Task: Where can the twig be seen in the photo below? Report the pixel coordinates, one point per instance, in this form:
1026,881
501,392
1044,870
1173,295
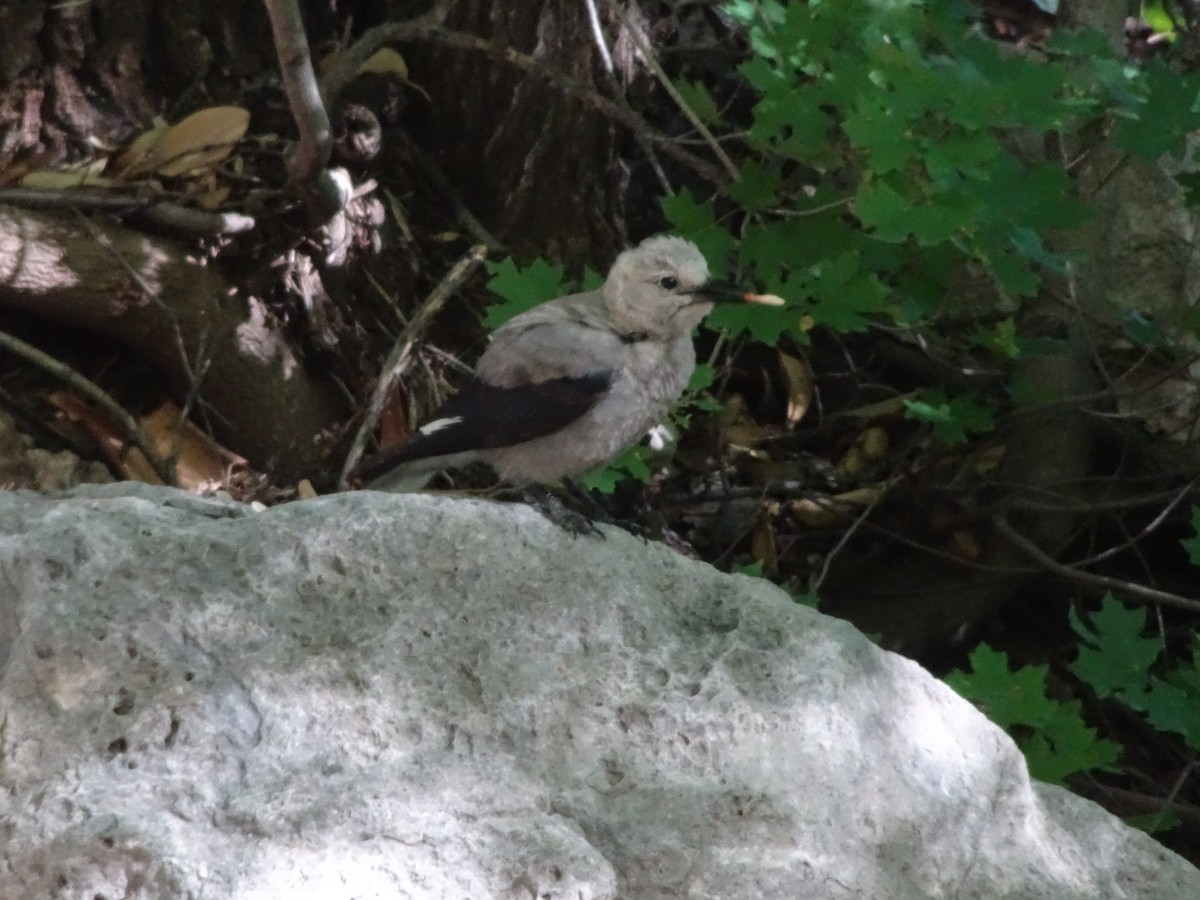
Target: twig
598,35
827,563
398,360
639,40
172,215
315,146
430,171
63,372
1125,588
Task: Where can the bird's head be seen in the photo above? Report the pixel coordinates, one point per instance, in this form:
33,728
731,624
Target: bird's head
661,288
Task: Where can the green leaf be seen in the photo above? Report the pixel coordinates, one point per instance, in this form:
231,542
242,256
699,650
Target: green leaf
1007,698
1012,273
1192,544
699,101
1064,745
1053,736
757,186
1168,116
630,463
843,295
1170,705
952,419
1000,338
1029,244
763,323
753,569
521,289
881,207
884,135
1114,658
702,378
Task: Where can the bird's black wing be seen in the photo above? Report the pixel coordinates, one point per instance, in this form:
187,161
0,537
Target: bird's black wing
483,416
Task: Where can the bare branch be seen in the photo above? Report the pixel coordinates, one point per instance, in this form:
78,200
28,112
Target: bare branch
398,360
1128,589
311,154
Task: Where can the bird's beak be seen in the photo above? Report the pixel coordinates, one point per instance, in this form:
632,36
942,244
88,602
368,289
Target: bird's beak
719,292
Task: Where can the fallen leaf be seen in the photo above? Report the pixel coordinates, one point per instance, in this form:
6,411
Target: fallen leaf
60,179
201,464
143,155
202,141
388,62
798,375
762,545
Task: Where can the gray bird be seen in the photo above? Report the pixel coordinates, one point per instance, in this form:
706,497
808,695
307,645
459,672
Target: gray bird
566,386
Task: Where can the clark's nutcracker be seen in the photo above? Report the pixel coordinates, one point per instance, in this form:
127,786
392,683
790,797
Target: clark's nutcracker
566,386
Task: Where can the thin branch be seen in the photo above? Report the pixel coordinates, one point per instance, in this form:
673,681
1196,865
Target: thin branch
430,171
827,563
172,215
1125,588
643,46
398,360
133,431
598,35
312,152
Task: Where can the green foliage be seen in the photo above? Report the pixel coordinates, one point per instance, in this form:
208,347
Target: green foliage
1051,733
953,419
1192,544
1117,661
1168,115
919,107
522,289
632,463
890,150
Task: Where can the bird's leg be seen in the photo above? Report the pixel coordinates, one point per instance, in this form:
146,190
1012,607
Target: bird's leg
584,499
552,507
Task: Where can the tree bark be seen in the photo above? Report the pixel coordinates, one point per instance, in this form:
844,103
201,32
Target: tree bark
183,317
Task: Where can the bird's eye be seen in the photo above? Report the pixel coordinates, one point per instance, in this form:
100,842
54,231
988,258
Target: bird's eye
668,282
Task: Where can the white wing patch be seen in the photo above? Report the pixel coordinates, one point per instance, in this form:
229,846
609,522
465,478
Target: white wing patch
438,425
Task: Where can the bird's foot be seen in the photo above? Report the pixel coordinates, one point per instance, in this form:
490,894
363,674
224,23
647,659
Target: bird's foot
569,520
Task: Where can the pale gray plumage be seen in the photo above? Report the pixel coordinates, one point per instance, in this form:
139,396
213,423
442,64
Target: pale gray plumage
566,386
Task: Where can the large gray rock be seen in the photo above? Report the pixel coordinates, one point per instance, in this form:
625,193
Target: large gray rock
401,696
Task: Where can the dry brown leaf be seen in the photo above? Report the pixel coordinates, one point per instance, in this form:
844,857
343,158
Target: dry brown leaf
852,462
762,545
214,198
143,155
964,545
388,62
987,459
874,443
838,508
889,407
109,438
202,141
201,464
305,490
738,427
800,386
61,179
